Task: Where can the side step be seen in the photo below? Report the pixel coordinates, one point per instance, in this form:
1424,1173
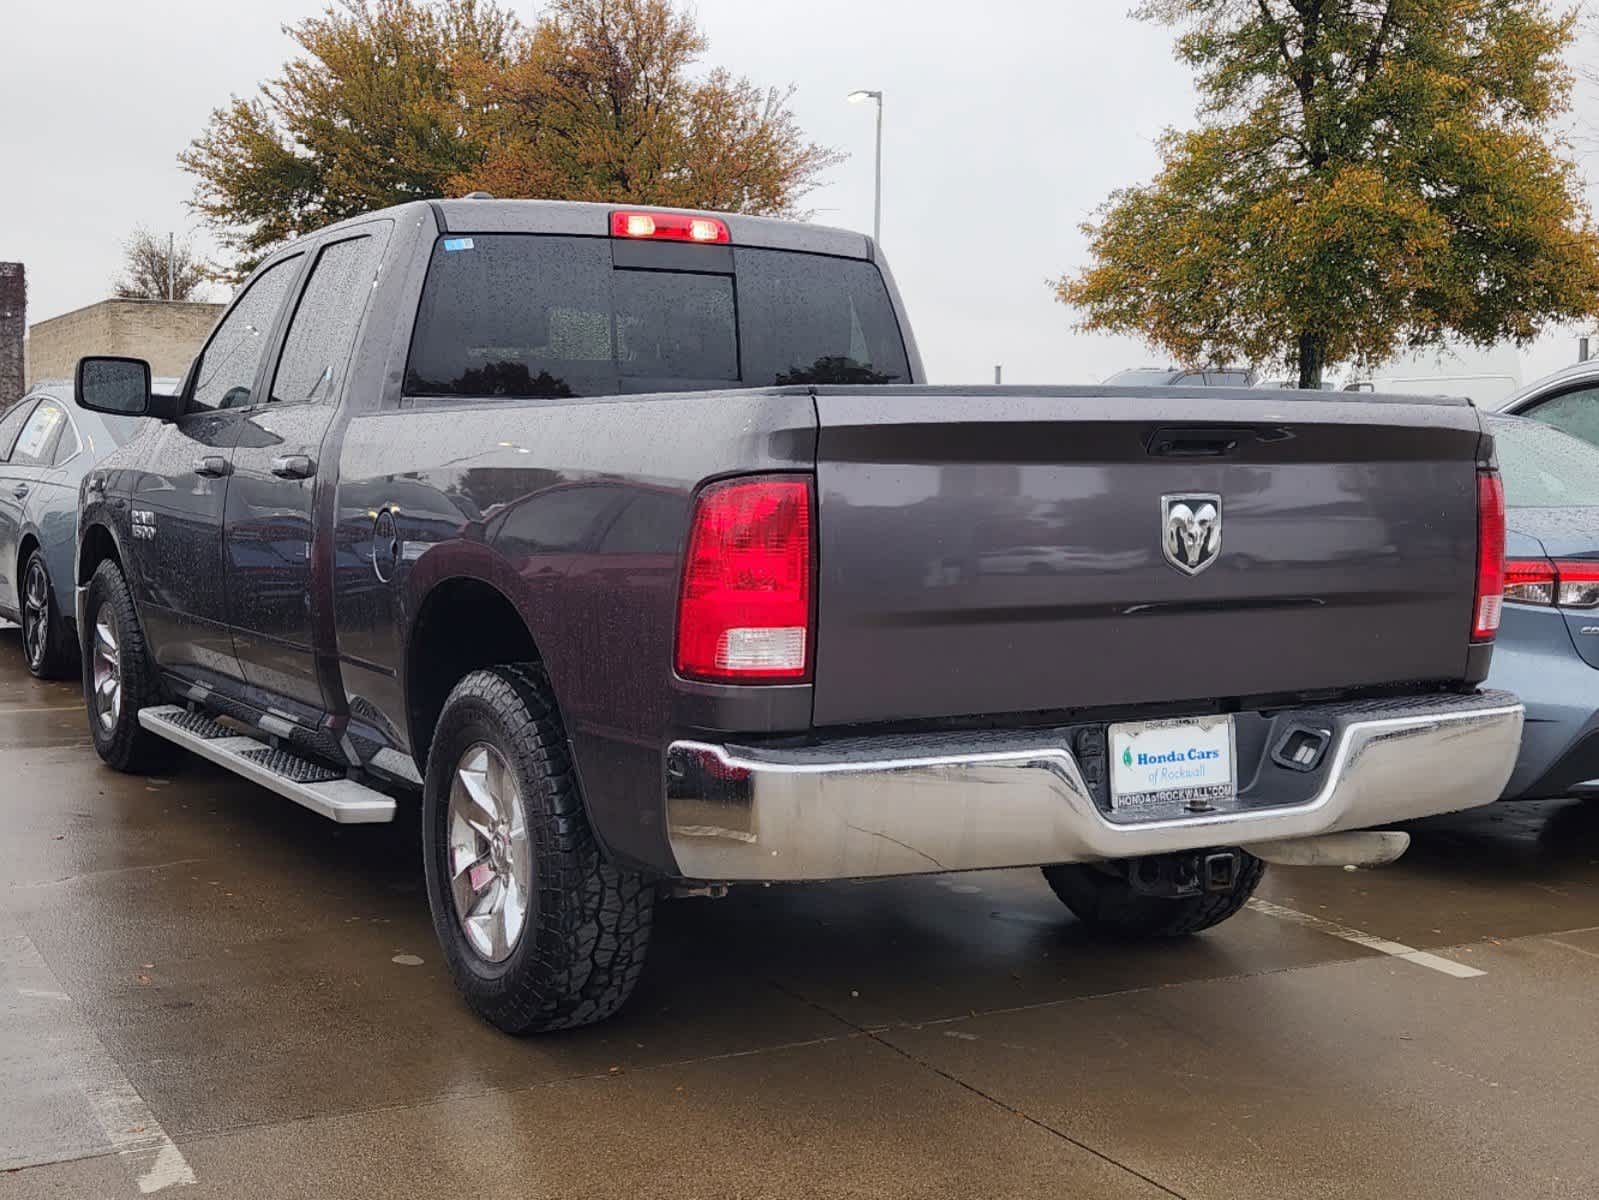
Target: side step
319,788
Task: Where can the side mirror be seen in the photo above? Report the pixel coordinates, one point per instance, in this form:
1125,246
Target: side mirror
113,385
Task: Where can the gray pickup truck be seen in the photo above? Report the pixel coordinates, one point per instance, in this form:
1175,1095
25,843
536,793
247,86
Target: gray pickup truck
633,543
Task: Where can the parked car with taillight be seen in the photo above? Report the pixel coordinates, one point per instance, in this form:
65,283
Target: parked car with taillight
1548,647
636,544
1567,400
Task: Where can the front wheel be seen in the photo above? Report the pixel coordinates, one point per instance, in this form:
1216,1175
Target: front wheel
119,678
44,640
539,931
1106,898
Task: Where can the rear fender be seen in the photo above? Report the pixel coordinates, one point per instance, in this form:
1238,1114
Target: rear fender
58,547
453,564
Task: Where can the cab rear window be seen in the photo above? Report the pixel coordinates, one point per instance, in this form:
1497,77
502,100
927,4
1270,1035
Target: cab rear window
524,315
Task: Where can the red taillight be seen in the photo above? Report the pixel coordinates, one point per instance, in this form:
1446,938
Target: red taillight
1490,596
670,227
1530,580
1564,583
1579,583
744,614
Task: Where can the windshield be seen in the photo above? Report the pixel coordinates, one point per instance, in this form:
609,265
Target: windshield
1544,468
524,315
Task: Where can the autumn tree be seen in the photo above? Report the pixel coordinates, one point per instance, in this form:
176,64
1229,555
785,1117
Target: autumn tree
600,103
156,269
1368,175
370,114
394,100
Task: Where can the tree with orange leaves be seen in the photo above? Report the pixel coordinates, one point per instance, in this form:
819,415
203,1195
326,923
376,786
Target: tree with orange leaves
599,103
395,100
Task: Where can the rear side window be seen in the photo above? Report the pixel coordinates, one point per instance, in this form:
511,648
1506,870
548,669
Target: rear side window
1576,413
321,335
36,444
528,315
1544,468
11,425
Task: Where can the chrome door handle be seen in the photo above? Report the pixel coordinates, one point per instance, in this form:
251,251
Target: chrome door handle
294,466
211,466
20,490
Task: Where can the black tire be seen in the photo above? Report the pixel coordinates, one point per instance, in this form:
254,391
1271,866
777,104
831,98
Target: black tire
587,925
1104,901
45,645
121,741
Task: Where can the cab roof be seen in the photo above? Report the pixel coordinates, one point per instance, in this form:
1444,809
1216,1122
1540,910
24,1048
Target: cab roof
594,220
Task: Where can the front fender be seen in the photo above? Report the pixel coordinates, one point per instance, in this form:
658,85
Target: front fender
99,518
102,534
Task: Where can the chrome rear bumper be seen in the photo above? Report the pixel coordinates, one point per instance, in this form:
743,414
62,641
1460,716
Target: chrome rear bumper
865,807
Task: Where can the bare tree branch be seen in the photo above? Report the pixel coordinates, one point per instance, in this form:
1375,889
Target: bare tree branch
149,273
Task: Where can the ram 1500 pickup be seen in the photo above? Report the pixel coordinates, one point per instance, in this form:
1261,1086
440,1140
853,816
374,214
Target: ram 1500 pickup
632,542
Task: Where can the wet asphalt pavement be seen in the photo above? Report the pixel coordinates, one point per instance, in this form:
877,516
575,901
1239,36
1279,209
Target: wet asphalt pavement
206,991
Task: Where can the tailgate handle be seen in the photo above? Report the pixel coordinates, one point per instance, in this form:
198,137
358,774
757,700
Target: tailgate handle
1192,441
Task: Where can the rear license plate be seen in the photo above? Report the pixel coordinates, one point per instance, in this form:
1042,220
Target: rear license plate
1183,764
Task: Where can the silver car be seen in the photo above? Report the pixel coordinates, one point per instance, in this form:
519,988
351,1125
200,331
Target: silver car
46,445
1548,646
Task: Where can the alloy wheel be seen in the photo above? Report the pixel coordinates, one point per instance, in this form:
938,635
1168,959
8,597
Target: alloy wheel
489,862
36,615
106,675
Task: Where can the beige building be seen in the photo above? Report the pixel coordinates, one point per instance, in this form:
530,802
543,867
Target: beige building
166,333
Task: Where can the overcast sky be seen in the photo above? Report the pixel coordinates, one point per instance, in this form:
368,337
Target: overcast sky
1006,123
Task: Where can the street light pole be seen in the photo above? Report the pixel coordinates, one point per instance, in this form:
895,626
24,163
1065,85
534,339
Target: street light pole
861,97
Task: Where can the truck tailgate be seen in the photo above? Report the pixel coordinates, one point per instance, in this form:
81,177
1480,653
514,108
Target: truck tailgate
1002,551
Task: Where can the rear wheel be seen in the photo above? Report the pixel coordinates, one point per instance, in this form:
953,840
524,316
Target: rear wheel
118,677
538,930
1112,898
44,640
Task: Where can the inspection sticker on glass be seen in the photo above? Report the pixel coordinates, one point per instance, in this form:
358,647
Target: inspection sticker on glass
1188,762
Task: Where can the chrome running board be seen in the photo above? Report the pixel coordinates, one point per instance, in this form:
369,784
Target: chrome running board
321,789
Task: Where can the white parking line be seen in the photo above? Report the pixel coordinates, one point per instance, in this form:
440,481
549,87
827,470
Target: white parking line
71,1053
41,994
136,1135
1433,962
